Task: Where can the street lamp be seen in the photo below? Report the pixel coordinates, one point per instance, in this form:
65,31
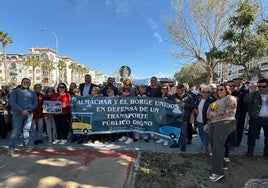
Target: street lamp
56,41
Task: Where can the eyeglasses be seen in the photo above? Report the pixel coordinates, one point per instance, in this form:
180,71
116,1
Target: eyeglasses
61,87
232,85
219,89
262,86
49,91
205,91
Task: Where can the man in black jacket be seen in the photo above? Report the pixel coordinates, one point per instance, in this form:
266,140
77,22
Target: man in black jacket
241,109
185,101
258,113
86,87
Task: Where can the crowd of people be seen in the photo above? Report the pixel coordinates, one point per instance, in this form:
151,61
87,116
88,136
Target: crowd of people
218,113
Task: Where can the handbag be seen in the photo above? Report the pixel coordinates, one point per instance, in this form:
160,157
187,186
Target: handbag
206,127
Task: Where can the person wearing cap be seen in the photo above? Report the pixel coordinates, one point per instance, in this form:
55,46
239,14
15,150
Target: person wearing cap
241,109
186,102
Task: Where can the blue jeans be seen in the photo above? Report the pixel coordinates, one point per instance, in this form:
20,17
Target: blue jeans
254,126
203,135
37,129
20,123
183,136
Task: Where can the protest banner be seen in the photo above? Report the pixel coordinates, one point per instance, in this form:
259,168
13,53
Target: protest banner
105,115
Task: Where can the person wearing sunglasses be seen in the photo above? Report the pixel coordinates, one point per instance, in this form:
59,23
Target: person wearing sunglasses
62,119
221,114
201,107
258,115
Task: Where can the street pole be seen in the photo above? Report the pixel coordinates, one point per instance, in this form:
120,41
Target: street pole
56,41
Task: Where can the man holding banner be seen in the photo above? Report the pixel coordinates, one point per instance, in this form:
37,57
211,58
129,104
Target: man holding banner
186,102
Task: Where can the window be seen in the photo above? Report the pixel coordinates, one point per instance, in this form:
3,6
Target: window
44,57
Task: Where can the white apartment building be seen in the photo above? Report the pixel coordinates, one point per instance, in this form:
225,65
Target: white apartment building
18,70
227,71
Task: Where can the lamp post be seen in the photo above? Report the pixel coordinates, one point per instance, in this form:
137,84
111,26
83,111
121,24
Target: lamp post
56,41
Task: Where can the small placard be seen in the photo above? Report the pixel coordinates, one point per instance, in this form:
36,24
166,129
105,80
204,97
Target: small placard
53,107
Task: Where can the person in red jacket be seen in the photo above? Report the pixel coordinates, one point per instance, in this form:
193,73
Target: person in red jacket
38,121
62,119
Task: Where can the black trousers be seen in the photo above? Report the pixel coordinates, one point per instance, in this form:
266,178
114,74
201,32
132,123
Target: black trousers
3,127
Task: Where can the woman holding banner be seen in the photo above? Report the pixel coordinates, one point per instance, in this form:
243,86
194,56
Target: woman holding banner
127,91
62,119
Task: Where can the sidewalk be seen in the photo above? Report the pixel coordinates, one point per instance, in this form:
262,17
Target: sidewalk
88,165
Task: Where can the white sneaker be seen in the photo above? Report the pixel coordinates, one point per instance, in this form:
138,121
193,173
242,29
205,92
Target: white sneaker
165,143
63,142
10,152
215,177
56,141
129,141
122,139
161,140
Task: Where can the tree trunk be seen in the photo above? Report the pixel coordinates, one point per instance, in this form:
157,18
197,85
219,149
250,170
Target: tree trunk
5,64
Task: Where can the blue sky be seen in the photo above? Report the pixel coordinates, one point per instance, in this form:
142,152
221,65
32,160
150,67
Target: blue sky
101,34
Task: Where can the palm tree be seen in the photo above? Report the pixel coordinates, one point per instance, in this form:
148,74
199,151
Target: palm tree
85,71
49,66
33,62
62,65
4,39
80,72
73,66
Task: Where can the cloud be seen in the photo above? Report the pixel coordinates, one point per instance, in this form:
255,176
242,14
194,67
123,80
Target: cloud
158,37
153,25
120,6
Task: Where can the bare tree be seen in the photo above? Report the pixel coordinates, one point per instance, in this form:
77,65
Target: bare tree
196,27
